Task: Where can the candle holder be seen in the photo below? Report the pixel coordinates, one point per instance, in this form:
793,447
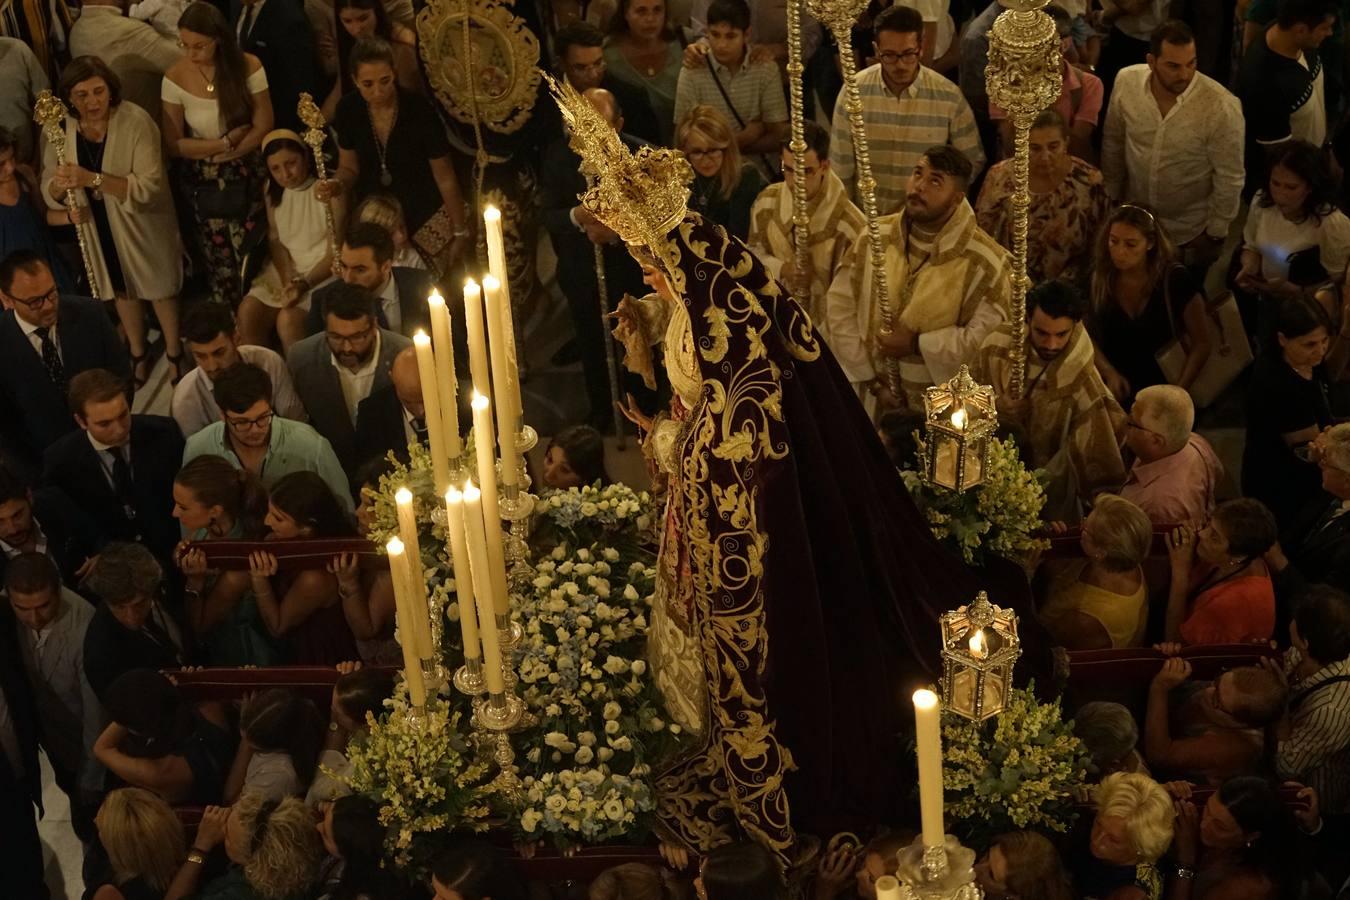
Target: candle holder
960,419
945,872
433,674
516,505
416,717
468,679
495,716
980,646
526,440
459,469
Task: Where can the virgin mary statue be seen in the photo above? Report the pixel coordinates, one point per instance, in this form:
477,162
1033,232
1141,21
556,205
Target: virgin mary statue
799,585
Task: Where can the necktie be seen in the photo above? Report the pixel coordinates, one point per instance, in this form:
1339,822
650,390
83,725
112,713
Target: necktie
246,26
122,485
419,427
51,358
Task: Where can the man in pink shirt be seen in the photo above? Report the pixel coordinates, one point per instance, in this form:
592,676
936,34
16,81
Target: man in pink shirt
1175,472
1080,101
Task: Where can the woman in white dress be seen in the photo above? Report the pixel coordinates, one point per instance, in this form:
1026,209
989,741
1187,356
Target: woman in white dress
298,237
216,111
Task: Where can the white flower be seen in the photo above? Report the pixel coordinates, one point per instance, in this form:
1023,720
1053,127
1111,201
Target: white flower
639,666
604,754
614,809
530,819
630,593
555,739
675,729
559,551
543,581
615,665
583,554
622,744
586,739
555,803
584,755
612,727
612,710
611,554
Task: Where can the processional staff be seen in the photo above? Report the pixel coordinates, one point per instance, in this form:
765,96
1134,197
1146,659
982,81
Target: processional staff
50,113
314,136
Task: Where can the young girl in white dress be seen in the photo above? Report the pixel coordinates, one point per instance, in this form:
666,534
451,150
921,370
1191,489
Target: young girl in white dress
298,238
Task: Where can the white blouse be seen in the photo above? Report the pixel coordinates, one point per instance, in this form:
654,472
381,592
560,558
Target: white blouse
202,115
302,226
1277,238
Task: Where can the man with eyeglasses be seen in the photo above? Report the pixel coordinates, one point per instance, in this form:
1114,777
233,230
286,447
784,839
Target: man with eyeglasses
907,108
334,371
1175,471
46,339
134,50
580,49
250,435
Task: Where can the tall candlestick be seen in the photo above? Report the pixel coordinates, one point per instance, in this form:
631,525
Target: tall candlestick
473,330
431,412
928,744
446,385
492,219
459,558
487,476
506,416
481,568
417,584
412,667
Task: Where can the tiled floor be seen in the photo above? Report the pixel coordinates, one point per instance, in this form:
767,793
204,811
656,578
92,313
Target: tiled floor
62,852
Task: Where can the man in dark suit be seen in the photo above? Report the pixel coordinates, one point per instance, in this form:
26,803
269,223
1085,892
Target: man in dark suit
392,417
334,371
121,466
575,233
279,34
45,340
1318,550
20,772
367,261
131,628
579,47
45,521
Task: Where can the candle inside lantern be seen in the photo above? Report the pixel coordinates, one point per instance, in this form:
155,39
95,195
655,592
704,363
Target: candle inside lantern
507,395
419,616
459,558
431,411
446,386
412,668
501,381
978,647
928,744
888,888
959,419
481,569
487,476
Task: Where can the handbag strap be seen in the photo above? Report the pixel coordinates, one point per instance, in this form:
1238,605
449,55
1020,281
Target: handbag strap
726,98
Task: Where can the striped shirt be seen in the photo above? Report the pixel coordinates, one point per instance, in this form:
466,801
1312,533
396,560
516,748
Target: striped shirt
929,112
1317,751
755,89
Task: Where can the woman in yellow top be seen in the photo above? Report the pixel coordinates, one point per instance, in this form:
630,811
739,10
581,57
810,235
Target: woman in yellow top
1102,602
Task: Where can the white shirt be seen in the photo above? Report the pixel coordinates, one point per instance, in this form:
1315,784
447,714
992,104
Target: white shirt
393,313
30,332
1276,239
194,407
356,385
39,546
1309,121
1185,166
105,460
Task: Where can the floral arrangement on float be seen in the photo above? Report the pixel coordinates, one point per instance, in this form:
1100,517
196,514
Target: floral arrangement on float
1023,768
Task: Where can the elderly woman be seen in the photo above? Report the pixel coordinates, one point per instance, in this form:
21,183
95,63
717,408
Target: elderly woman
1228,598
114,165
1132,830
1068,204
390,139
273,847
217,108
144,842
1023,865
1102,601
1111,735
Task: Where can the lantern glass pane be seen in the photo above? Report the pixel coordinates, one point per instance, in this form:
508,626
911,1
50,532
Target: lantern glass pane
973,473
944,460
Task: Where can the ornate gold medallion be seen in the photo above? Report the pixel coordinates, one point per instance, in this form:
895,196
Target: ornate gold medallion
487,72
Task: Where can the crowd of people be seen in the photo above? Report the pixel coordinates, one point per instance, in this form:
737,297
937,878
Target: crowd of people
1187,218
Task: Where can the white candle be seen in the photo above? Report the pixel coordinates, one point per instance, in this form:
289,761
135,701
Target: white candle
417,584
459,559
492,219
501,380
487,477
446,386
888,888
473,330
412,667
928,743
481,568
431,411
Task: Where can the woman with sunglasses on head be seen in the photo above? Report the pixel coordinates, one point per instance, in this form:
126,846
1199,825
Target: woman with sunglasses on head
1142,299
1287,408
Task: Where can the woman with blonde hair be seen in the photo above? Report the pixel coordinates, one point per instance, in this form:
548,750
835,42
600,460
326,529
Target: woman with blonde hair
1101,601
144,842
724,187
385,211
630,881
1133,829
1023,865
273,847
1143,298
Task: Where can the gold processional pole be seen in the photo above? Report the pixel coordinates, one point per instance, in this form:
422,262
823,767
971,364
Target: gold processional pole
839,16
50,113
611,367
314,136
801,222
1023,78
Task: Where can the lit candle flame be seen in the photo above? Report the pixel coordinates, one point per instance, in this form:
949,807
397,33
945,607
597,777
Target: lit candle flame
959,419
977,645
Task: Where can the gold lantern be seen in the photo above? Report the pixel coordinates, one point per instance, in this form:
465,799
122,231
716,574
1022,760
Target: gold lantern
980,646
960,420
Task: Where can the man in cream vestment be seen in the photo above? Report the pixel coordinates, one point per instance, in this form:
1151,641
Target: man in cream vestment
1073,424
948,282
835,224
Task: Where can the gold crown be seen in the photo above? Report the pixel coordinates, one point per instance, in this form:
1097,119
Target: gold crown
640,196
